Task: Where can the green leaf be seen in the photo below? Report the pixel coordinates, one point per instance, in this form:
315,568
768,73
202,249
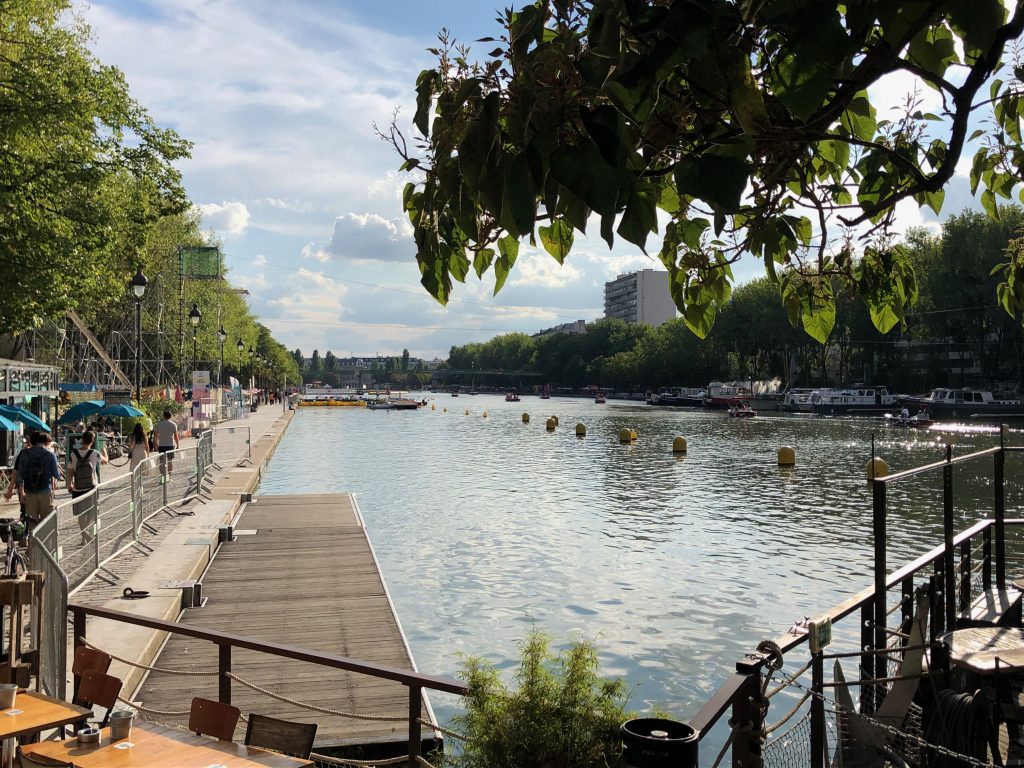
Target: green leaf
818,319
719,181
482,261
976,21
519,199
988,202
859,118
425,84
583,171
690,231
640,217
557,239
508,249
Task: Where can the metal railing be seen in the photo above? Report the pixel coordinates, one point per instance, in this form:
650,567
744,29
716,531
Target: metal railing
6,478
951,577
231,446
415,682
81,536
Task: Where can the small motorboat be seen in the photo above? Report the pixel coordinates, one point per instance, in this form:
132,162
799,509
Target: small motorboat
740,410
511,397
920,420
599,398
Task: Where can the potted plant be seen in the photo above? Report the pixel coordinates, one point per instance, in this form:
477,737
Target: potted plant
561,714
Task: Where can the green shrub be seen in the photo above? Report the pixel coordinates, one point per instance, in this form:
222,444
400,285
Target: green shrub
155,408
563,715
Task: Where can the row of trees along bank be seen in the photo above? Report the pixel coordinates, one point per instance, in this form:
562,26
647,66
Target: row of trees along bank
90,193
955,326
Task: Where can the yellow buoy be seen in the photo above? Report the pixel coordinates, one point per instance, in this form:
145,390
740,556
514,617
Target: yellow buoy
877,468
526,418
625,435
787,456
433,406
445,409
485,414
555,418
632,434
679,445
551,424
581,430
467,412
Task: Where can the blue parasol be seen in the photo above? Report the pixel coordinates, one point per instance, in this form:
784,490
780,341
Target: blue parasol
79,411
120,409
6,425
25,417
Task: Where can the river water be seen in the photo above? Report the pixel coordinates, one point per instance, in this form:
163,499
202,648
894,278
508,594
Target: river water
674,566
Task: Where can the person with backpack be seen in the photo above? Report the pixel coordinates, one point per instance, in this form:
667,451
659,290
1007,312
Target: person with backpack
37,474
83,473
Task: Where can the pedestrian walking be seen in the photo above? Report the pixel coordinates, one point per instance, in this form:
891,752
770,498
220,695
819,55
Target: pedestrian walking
83,477
167,439
36,476
137,446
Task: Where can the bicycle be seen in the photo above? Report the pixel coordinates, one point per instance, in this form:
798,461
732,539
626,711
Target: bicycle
11,532
118,452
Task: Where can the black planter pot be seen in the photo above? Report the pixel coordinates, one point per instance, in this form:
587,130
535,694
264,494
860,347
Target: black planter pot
651,742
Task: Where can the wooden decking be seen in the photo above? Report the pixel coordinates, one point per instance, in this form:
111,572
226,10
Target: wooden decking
306,577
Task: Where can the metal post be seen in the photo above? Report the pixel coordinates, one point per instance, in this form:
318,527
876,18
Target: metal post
78,619
1000,511
195,349
163,477
878,525
415,711
747,716
949,554
966,566
220,366
138,349
986,557
223,667
817,711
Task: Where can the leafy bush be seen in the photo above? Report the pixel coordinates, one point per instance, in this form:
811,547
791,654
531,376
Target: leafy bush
155,408
563,714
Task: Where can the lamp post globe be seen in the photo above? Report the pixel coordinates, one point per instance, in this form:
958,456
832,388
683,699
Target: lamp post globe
195,317
222,336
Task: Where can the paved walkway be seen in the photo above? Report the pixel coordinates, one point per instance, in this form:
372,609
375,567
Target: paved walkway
182,548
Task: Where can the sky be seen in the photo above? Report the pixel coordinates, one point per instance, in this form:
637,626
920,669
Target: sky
280,99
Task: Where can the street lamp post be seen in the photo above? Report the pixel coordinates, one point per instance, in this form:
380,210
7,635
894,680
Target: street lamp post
240,346
138,285
195,317
222,336
252,366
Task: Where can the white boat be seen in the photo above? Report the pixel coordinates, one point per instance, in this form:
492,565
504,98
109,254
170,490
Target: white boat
947,403
860,399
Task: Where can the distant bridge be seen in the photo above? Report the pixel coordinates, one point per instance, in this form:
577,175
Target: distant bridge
443,373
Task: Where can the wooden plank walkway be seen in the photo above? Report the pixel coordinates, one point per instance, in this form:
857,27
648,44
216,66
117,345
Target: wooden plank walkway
306,577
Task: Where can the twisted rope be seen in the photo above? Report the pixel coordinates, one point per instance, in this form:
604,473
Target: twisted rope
788,681
440,729
313,707
150,711
358,763
130,663
785,719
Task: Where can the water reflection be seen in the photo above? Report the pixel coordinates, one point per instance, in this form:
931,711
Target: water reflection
677,566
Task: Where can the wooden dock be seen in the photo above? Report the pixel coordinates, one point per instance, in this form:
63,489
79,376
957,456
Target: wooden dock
302,572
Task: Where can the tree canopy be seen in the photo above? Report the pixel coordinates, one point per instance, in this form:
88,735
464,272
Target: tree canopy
733,127
83,168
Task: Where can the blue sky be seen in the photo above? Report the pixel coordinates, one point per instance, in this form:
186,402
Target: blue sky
279,99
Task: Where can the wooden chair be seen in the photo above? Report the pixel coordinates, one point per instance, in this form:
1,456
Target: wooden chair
39,761
88,660
211,718
285,736
97,689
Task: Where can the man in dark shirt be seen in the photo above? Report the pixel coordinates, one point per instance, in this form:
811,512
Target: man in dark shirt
37,474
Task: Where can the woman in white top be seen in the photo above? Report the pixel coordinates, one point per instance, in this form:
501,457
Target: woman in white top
137,446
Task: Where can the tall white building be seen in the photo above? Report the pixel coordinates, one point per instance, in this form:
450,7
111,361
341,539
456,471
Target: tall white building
640,297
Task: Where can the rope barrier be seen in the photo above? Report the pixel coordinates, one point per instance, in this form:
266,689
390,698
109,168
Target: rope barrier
440,729
313,707
130,663
150,711
788,681
344,761
785,719
883,651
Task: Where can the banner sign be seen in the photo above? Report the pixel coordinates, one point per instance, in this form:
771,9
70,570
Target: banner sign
199,262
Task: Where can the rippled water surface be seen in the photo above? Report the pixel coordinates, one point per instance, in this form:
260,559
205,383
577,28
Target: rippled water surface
485,527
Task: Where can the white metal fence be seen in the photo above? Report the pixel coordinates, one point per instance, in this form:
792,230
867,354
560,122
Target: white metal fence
81,536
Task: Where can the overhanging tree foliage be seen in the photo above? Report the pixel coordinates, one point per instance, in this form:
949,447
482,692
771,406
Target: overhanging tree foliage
83,169
745,125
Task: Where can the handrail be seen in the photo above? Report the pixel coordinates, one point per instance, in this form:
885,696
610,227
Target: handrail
414,681
335,661
936,465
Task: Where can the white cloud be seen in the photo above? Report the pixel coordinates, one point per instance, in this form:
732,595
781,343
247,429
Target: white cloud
539,269
313,251
260,259
227,217
371,237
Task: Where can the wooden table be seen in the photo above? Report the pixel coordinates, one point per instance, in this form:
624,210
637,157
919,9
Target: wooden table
34,713
978,649
157,746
